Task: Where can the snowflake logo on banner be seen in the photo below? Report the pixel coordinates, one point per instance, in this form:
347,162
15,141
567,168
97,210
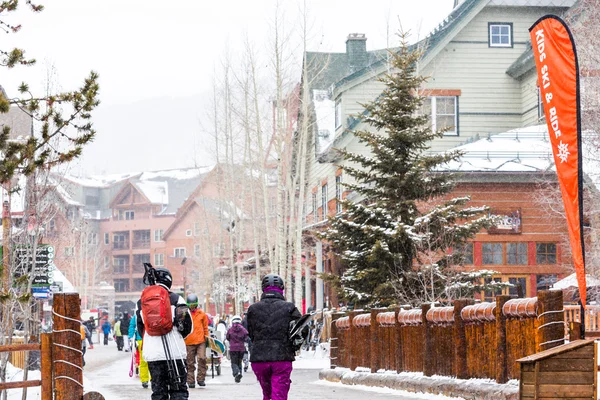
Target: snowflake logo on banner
563,152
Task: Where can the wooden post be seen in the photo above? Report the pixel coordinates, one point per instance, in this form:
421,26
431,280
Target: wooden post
352,342
375,345
334,352
460,339
66,340
574,331
46,366
551,330
427,354
501,350
398,342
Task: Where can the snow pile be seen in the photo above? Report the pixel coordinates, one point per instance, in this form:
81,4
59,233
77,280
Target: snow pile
387,391
313,359
416,382
14,374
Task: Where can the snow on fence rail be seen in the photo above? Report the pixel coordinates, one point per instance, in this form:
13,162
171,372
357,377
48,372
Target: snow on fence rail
465,340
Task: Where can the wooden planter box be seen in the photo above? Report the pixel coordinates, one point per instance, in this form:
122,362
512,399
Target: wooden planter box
565,372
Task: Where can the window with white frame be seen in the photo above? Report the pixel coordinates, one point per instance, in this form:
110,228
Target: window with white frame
442,112
197,250
500,34
127,215
324,202
197,228
69,251
159,259
158,233
93,238
338,193
106,238
217,250
338,113
188,232
179,252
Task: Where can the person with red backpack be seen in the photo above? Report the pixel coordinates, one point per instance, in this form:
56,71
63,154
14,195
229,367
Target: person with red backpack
164,321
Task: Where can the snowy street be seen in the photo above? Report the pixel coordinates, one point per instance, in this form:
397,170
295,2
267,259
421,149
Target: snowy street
107,371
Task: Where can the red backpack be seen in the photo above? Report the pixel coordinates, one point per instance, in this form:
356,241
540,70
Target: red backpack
156,310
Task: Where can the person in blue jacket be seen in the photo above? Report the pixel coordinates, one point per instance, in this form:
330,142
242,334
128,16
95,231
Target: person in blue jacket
106,330
136,338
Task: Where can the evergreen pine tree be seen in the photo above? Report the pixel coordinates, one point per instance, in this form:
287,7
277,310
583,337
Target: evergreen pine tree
393,242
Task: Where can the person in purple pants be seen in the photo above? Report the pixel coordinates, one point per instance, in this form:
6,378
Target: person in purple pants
272,350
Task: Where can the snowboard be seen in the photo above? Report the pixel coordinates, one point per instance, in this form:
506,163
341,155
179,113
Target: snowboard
216,345
297,327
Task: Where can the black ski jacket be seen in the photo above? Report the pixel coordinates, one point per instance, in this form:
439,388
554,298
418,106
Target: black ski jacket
268,328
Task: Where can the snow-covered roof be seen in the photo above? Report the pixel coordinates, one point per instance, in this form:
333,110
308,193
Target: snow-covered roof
518,150
100,181
66,196
184,173
155,192
571,281
325,118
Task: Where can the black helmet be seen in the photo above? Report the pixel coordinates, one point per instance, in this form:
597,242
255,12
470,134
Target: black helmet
272,280
192,299
163,276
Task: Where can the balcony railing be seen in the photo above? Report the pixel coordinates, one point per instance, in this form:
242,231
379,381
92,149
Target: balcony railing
120,245
141,244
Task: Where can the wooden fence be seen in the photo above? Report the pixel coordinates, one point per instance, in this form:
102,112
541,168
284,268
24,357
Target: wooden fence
592,318
60,355
465,340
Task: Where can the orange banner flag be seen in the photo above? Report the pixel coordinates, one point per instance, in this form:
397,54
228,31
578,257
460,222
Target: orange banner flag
558,79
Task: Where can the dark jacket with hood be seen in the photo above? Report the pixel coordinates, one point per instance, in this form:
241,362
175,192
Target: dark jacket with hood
237,336
268,327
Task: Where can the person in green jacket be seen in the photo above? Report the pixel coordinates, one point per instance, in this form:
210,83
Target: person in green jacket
118,335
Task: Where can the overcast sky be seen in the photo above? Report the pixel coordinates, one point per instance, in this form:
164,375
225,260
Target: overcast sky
156,61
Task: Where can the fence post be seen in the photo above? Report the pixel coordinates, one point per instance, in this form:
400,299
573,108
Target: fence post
427,354
353,341
398,342
375,342
574,331
66,339
334,341
551,329
501,356
46,366
460,337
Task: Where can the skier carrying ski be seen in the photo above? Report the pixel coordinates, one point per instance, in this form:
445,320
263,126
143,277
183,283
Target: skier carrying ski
196,344
237,336
272,350
165,322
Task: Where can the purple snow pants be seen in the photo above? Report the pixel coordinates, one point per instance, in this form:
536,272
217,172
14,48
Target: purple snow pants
274,378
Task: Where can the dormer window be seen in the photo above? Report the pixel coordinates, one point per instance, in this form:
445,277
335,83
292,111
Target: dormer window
500,34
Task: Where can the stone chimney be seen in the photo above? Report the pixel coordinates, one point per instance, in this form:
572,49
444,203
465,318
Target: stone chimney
356,50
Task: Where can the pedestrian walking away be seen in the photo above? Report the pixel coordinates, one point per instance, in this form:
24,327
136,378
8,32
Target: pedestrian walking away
118,335
90,324
196,344
106,330
164,322
237,336
272,350
125,330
